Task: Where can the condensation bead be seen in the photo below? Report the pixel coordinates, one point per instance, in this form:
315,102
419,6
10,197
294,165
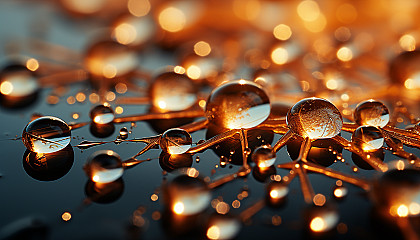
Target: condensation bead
46,135
371,113
315,118
264,156
171,91
276,194
397,191
104,166
175,141
123,133
110,59
367,138
187,195
102,114
223,227
238,104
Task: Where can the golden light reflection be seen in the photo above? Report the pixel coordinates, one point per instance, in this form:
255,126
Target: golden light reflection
80,97
408,42
119,110
402,211
139,8
222,208
75,116
274,194
192,172
236,204
109,71
32,64
317,224
202,48
345,54
338,193
172,19
318,25
246,9
178,208
414,208
179,70
71,100
194,72
125,33
154,197
308,10
66,216
94,98
319,199
332,84
6,88
279,56
213,232
95,178
110,96
121,88
282,32
346,13
400,165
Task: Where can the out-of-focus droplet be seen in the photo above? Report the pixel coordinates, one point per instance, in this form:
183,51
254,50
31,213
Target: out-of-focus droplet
123,133
104,166
264,156
276,194
223,227
102,114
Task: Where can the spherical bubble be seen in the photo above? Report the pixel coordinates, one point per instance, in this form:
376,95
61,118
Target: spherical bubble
322,219
102,114
404,69
223,227
171,91
238,104
367,138
264,156
104,166
102,130
276,194
175,141
315,118
18,86
104,193
46,135
187,195
110,59
397,192
123,133
371,113
133,31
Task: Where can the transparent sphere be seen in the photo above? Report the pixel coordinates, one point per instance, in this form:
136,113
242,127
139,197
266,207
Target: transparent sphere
175,141
133,31
367,138
397,191
276,194
322,218
110,59
123,133
238,104
46,135
404,69
171,91
18,86
264,156
315,118
102,114
371,113
187,195
223,227
104,166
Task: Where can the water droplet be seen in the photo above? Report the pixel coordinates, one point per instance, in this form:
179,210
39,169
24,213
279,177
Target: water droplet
371,113
367,138
102,114
276,193
315,118
175,141
340,192
223,227
104,166
197,159
223,161
173,92
46,135
223,105
322,219
124,133
264,156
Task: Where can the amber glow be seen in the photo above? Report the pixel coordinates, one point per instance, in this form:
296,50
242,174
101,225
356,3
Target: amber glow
279,56
213,232
178,208
66,216
202,48
154,197
194,72
400,165
402,211
222,208
172,19
317,224
179,70
274,194
119,110
139,8
414,208
345,54
408,42
6,88
319,199
95,178
282,32
32,64
125,33
308,10
338,193
80,97
121,88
